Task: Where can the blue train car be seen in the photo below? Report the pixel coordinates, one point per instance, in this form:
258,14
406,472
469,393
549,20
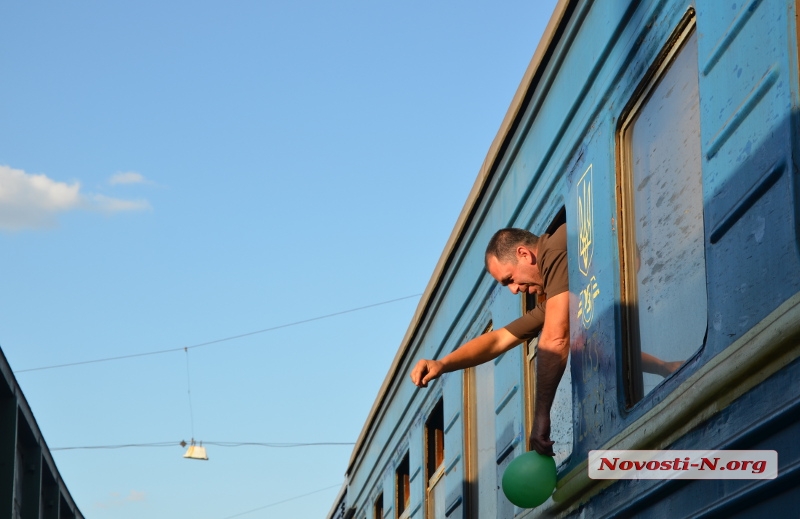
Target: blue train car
665,134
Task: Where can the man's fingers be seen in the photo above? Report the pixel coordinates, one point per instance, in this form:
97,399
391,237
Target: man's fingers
419,372
416,373
425,371
546,450
543,446
427,376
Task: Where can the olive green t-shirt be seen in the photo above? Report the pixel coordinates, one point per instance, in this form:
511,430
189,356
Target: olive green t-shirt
552,260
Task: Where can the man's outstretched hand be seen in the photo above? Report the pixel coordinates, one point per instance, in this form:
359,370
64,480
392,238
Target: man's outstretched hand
425,371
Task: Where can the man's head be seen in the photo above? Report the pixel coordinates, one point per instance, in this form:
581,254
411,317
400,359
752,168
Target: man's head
511,260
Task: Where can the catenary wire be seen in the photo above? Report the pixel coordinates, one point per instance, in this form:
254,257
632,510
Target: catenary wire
276,445
216,341
189,391
281,502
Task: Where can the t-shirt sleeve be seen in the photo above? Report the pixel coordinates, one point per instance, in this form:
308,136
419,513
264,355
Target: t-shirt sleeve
555,271
528,326
555,276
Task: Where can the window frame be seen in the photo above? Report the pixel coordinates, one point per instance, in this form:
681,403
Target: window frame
434,453
470,444
377,506
402,485
632,383
529,348
528,302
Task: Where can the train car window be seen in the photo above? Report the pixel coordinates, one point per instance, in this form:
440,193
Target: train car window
529,367
561,427
662,239
403,487
377,509
479,440
797,28
434,446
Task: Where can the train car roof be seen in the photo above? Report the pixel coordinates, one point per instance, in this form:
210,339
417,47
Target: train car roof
510,122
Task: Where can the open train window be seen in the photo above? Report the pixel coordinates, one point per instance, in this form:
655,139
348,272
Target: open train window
662,241
529,302
434,447
797,28
479,440
403,487
561,412
377,510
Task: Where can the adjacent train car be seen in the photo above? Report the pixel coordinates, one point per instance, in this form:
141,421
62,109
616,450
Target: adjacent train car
30,485
665,134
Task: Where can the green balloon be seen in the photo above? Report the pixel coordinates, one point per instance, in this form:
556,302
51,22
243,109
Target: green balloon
530,479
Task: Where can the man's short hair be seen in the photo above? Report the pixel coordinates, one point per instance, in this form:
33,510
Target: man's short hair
504,243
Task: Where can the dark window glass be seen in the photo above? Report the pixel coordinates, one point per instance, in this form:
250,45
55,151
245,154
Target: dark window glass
403,484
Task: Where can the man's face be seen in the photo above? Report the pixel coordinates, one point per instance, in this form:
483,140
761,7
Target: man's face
521,275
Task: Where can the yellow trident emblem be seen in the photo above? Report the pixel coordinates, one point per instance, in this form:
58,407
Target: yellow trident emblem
585,221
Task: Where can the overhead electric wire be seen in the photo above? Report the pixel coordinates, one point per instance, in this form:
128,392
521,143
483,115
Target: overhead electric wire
189,391
122,446
216,341
276,445
281,502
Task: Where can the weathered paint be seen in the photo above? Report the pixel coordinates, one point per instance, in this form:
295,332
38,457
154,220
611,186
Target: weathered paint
558,149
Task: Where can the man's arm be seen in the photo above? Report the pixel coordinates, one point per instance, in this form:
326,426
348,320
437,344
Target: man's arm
477,351
552,354
656,366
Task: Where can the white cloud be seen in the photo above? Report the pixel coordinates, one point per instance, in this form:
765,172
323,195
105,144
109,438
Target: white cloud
116,499
115,205
135,495
128,177
29,201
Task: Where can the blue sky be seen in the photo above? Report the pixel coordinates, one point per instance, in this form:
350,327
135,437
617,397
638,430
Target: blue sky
173,173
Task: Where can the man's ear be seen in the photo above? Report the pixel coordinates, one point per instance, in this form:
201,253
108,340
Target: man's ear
526,254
